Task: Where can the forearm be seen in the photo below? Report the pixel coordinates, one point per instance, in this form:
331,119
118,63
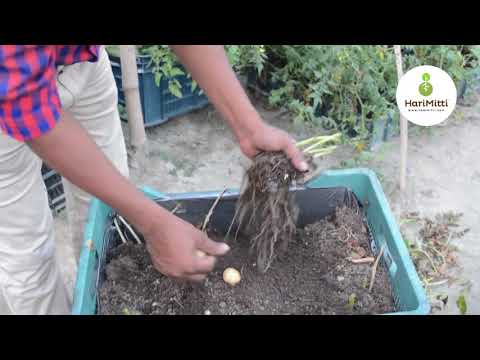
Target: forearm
209,66
68,149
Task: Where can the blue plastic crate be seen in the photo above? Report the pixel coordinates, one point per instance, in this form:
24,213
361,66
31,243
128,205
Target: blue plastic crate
158,104
54,185
318,198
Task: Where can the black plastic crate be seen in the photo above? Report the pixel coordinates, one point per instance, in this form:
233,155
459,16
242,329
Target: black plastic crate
158,104
54,185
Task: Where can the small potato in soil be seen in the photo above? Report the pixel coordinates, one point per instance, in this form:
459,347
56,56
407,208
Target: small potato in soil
231,276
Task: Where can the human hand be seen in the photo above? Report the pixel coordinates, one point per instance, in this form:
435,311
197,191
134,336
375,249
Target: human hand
179,250
269,138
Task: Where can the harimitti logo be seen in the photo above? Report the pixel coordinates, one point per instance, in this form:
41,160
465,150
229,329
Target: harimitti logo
426,89
426,95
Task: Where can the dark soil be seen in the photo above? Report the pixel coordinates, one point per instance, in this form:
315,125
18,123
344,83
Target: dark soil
315,277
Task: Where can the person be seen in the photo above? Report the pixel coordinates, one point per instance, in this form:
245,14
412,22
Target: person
58,105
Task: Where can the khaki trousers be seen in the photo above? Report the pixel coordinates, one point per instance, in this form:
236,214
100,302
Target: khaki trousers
30,281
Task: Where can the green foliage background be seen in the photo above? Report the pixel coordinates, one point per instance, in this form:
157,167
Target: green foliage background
343,88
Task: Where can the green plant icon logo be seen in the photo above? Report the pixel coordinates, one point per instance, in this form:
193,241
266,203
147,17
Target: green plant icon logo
425,87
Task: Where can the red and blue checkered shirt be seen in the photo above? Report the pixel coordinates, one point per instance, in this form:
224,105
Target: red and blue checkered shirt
29,101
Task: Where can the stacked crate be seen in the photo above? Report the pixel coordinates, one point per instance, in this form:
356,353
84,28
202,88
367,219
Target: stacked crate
53,183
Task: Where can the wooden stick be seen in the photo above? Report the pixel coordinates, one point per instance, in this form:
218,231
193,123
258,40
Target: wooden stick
128,59
138,152
210,212
374,269
403,125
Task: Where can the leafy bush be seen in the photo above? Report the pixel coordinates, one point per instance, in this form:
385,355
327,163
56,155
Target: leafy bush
336,86
246,57
349,87
459,61
345,88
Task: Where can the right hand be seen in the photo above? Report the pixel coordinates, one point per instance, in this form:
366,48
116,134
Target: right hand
180,250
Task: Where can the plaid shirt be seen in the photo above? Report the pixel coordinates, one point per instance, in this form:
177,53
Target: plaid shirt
29,101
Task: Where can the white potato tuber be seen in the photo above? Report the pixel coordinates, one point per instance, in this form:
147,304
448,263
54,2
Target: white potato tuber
231,276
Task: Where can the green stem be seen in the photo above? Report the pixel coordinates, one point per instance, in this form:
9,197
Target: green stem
315,151
319,139
307,141
322,154
317,146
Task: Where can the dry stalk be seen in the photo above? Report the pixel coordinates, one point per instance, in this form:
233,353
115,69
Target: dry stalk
374,269
366,260
115,222
137,239
210,212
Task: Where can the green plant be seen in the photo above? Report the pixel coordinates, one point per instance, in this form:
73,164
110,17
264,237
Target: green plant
347,88
352,300
459,61
462,304
246,57
342,88
338,87
164,64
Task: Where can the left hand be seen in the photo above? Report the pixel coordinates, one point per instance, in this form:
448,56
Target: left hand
269,138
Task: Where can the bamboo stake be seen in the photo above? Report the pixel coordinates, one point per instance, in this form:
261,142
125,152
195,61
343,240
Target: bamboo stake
138,138
403,125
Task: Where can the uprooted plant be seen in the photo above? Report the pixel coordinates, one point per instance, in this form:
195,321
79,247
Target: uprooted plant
266,210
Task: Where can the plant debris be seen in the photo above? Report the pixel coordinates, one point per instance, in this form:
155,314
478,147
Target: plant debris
433,252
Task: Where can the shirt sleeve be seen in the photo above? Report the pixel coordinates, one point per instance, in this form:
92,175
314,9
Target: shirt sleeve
29,100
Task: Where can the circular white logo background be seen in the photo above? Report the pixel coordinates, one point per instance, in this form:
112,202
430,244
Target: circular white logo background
426,95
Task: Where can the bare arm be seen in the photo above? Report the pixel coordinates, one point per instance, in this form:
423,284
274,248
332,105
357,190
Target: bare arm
172,242
209,66
68,149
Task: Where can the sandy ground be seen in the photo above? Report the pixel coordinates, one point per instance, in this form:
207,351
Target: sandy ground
197,152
